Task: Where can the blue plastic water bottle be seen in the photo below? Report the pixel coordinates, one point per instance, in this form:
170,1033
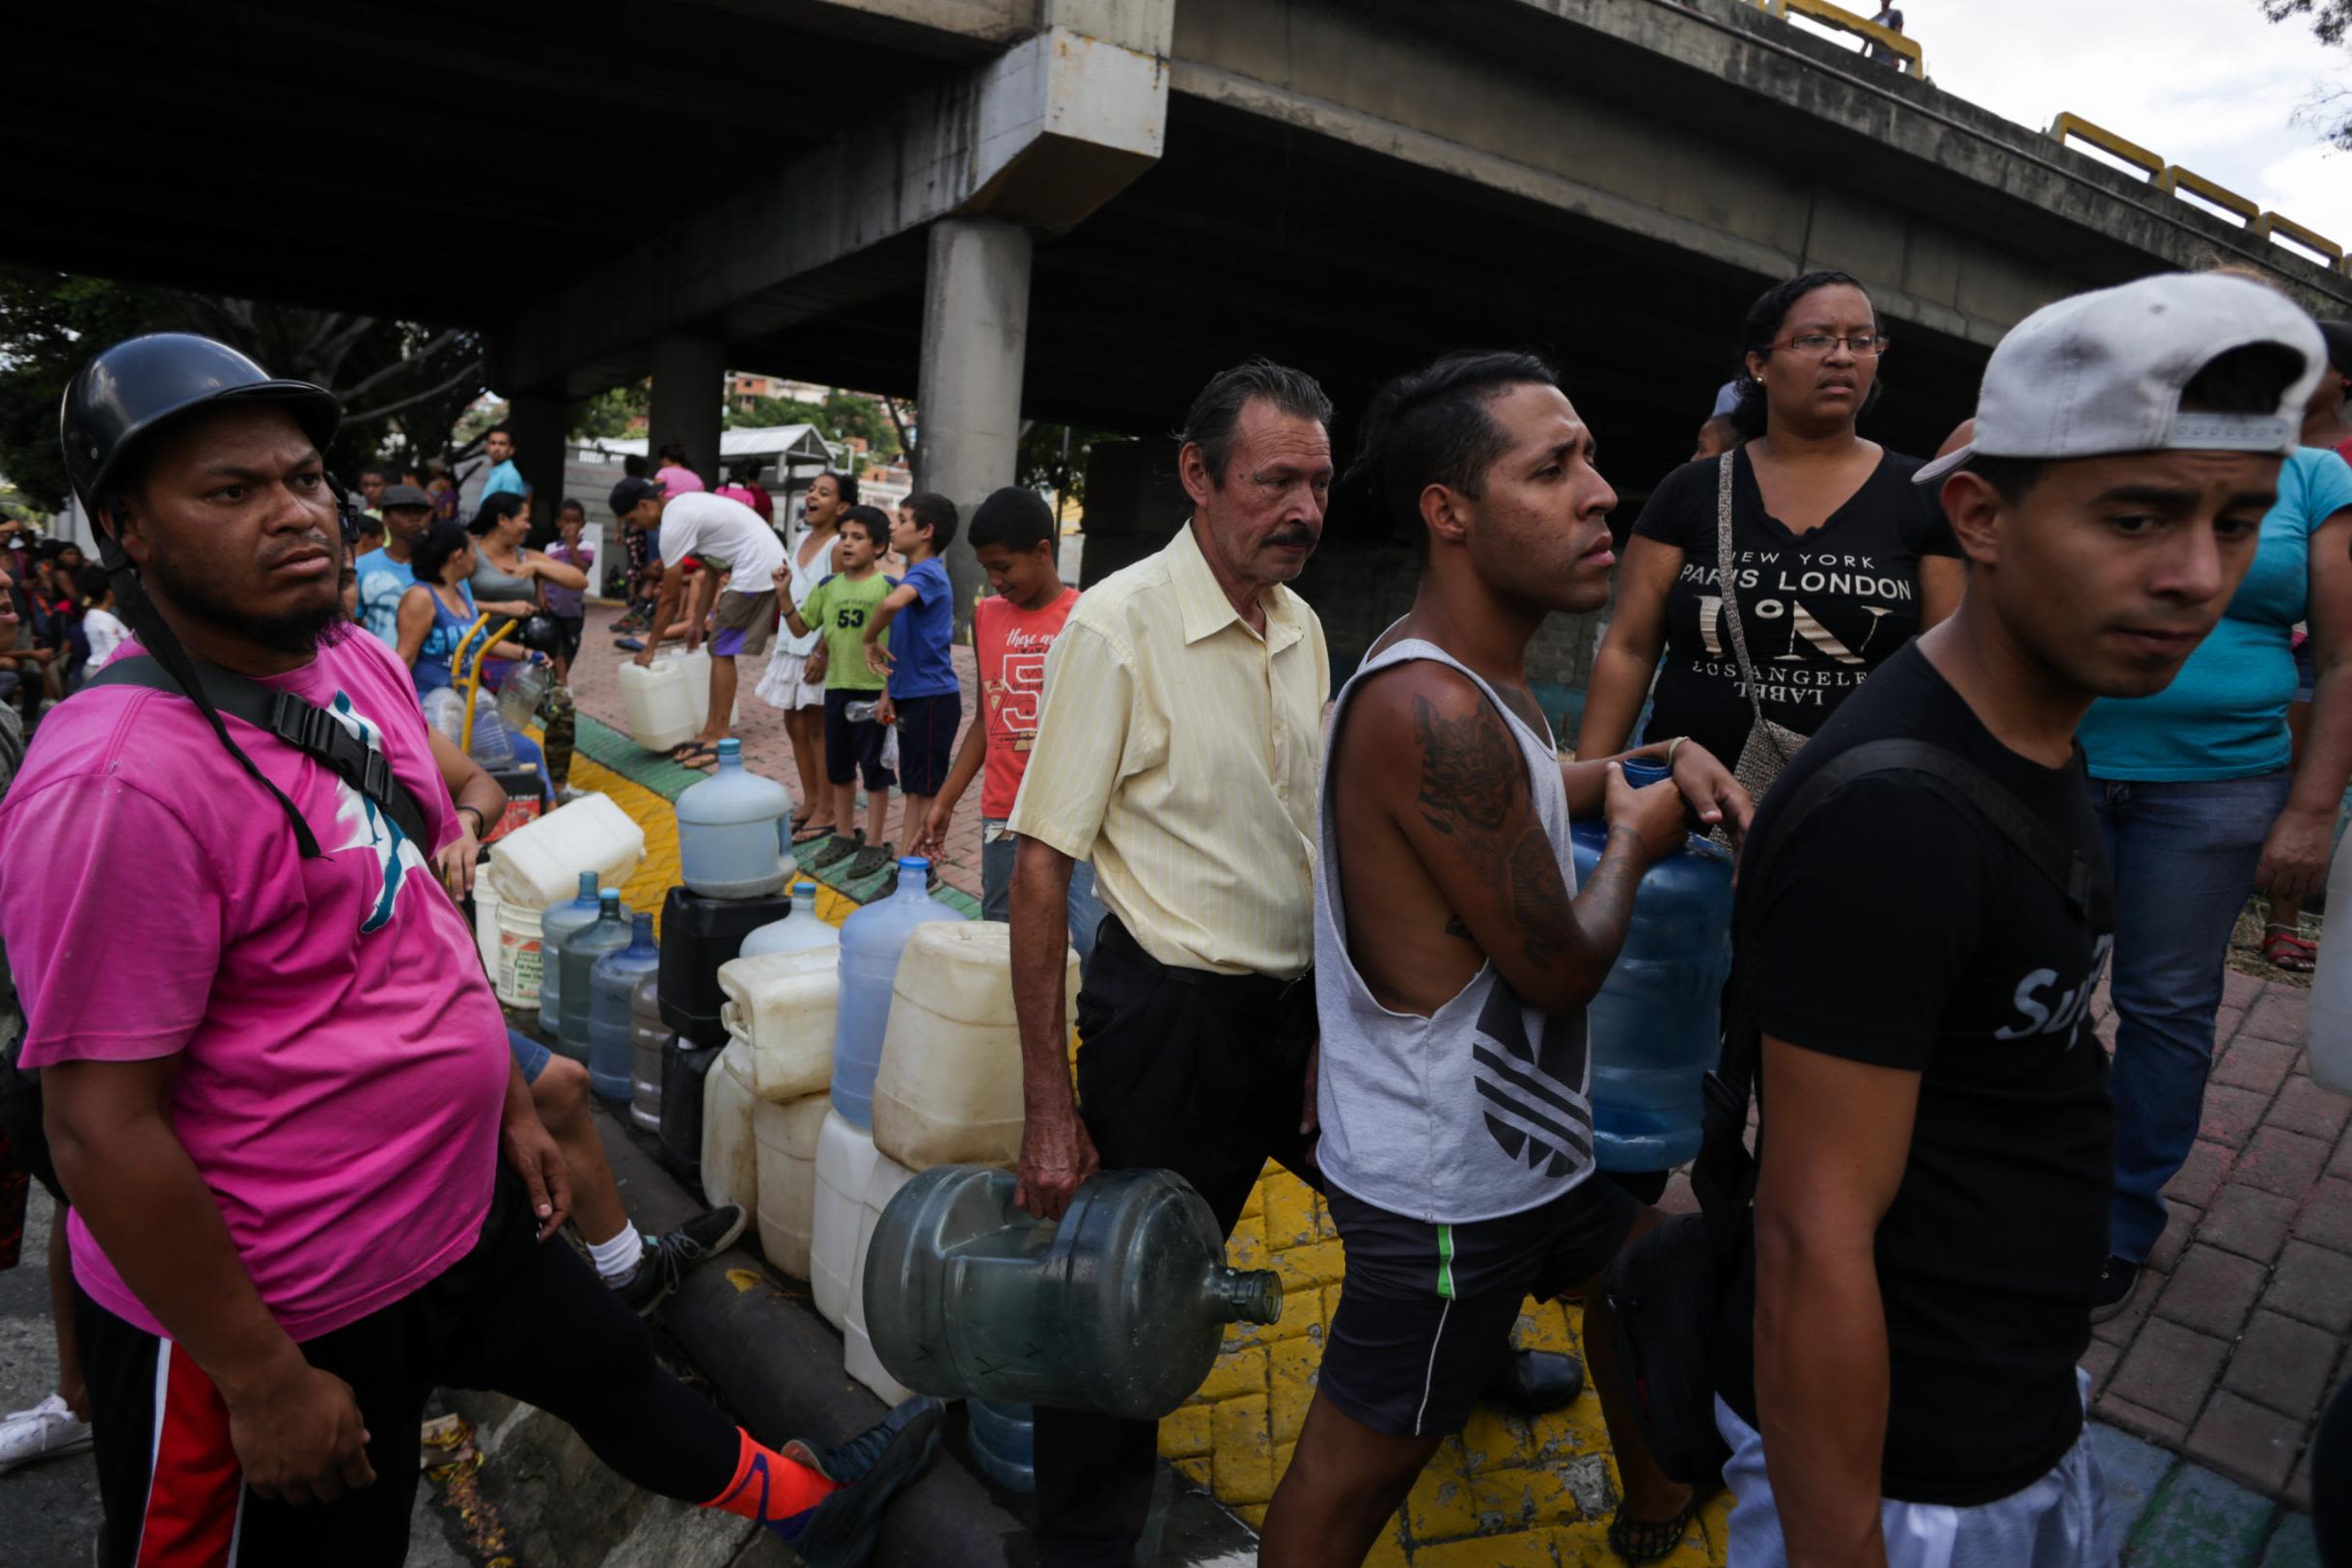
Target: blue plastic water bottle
612,1033
1656,1026
871,940
728,830
554,926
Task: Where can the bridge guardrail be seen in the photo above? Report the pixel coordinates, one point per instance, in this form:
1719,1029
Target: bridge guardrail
2174,179
1830,14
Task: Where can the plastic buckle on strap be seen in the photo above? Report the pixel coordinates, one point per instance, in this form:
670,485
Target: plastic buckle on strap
375,778
300,724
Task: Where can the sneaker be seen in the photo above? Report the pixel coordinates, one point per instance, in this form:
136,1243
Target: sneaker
871,860
46,1431
670,1256
629,644
837,848
2118,1279
869,1469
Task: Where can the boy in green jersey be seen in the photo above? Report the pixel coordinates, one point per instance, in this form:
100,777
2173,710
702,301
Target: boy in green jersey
839,608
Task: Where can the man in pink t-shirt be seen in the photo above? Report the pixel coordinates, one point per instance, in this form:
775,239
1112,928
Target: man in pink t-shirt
307,1183
1013,535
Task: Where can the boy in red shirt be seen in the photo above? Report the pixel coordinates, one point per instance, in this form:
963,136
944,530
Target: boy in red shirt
1014,537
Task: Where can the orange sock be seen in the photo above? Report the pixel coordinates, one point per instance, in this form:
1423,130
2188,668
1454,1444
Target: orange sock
772,1490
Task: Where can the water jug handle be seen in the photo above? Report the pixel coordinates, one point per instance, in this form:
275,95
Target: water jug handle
729,1016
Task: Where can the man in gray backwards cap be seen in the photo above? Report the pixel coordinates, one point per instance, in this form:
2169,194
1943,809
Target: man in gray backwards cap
1931,1213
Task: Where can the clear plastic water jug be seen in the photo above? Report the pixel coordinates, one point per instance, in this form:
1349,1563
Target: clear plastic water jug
611,1020
521,693
490,745
2328,1024
1656,1026
872,941
727,830
1119,1307
650,1035
803,928
608,933
554,926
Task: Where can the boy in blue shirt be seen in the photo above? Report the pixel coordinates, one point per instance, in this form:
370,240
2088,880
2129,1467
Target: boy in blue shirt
924,700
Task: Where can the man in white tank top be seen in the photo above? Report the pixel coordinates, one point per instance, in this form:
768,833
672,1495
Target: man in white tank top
1455,958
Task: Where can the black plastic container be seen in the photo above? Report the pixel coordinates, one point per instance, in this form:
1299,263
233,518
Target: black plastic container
699,934
684,1067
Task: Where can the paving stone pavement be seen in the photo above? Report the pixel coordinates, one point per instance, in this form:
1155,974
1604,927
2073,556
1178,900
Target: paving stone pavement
2204,1391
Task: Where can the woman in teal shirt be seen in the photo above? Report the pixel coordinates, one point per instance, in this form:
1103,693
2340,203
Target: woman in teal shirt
2192,787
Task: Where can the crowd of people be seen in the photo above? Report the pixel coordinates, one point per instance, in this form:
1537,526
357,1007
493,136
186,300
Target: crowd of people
2051,672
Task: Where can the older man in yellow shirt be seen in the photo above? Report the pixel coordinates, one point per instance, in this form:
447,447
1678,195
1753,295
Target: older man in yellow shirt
1176,749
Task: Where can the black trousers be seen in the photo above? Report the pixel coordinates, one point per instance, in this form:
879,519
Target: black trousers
515,1315
1179,1070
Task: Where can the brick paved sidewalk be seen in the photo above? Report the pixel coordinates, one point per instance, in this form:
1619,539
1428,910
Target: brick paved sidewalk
2205,1392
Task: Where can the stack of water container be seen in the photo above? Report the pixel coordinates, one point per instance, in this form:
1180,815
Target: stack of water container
732,828
927,1071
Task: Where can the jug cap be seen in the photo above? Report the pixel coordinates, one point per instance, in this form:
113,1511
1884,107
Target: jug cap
730,749
609,898
913,862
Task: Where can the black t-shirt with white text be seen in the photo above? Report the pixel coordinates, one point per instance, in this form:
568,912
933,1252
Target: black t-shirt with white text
1902,929
1821,609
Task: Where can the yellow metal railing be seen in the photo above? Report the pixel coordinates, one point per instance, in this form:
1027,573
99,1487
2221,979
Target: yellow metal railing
2106,140
1844,20
2175,179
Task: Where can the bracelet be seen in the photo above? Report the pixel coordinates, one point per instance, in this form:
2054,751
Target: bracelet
482,821
1670,751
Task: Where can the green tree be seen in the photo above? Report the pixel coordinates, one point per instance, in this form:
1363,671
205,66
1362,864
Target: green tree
763,413
852,414
611,414
2332,23
1053,457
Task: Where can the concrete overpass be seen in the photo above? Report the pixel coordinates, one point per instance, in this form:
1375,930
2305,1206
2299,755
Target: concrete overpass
1072,209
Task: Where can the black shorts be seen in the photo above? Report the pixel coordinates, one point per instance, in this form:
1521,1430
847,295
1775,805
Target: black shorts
927,740
514,1314
1425,1309
567,630
852,749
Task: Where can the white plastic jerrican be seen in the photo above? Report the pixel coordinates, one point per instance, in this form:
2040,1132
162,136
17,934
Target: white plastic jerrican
781,1006
664,702
517,979
538,865
2328,1024
731,1150
858,1359
485,926
846,1157
949,1090
786,1136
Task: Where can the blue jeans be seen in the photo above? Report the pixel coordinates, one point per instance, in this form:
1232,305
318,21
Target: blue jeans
2184,858
997,850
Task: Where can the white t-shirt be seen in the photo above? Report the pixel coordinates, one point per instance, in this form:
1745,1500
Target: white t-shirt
105,634
722,532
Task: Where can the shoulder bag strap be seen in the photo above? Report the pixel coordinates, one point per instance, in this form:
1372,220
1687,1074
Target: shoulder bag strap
1724,1176
304,726
1724,582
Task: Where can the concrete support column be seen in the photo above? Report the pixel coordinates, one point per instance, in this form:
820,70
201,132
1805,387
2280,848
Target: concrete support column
689,397
536,419
975,338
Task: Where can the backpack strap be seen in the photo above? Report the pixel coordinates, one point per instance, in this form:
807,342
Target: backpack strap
1723,1177
305,726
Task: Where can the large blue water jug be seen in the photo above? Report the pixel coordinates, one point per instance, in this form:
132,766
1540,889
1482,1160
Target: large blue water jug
1004,1441
1656,1024
554,926
612,1032
727,830
871,940
609,933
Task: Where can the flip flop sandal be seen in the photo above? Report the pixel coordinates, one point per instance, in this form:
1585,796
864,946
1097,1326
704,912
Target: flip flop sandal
696,756
1654,1540
2287,950
810,836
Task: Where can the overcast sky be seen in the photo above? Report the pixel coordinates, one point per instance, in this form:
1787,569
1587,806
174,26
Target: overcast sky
2207,83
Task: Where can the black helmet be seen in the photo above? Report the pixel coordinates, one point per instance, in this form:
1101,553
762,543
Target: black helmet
126,393
542,634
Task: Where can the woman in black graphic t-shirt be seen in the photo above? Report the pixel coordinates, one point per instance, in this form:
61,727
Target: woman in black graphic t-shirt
1838,559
